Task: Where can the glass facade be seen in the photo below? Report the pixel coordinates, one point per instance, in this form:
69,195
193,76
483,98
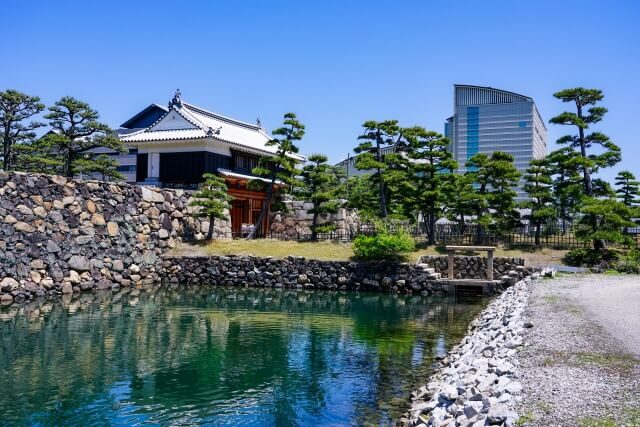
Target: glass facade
473,131
487,120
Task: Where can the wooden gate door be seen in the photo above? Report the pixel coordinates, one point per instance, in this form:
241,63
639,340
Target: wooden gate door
238,209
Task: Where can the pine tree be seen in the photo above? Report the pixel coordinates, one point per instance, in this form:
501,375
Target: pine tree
538,184
319,183
361,194
38,155
376,137
428,163
279,167
77,131
477,174
567,187
461,198
15,109
212,200
589,162
494,178
628,188
602,221
503,177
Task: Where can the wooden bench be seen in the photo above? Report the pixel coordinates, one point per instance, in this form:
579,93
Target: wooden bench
451,250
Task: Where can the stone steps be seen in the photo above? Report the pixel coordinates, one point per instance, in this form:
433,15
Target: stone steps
431,272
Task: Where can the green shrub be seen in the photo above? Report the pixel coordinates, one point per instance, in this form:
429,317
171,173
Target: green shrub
383,246
582,257
588,257
621,262
629,263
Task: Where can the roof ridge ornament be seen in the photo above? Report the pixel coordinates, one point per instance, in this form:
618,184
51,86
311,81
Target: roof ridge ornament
177,100
211,131
259,123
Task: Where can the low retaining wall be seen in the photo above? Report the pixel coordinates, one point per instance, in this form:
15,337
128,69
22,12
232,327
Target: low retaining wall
472,267
295,272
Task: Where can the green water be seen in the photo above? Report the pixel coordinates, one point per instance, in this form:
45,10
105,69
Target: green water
221,356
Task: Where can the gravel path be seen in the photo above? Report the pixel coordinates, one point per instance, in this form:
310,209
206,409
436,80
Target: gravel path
580,365
614,301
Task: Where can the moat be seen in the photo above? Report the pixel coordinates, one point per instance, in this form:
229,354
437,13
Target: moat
222,356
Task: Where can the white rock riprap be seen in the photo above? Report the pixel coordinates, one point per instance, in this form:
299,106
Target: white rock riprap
478,384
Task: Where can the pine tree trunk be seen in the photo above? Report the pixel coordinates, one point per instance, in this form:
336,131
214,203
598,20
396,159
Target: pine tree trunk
479,234
383,199
6,151
263,212
6,141
431,218
598,244
588,185
211,225
538,233
67,165
314,225
6,158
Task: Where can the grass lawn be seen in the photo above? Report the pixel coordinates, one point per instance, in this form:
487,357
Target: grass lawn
342,251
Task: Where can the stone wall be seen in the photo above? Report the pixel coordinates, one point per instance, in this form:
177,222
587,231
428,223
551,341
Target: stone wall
296,272
62,236
472,267
297,219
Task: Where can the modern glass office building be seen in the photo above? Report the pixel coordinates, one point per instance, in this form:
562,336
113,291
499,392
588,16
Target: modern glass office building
487,120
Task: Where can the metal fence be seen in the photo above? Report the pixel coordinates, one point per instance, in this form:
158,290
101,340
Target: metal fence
450,234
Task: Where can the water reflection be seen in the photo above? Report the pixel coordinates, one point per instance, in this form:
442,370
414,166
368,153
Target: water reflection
221,356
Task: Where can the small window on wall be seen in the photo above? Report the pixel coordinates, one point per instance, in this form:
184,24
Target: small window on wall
522,124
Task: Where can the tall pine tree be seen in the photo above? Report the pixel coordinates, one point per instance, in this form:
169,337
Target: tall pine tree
494,202
280,169
429,161
377,138
461,199
567,186
586,114
537,185
320,180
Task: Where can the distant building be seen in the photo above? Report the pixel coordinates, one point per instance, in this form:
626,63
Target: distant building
487,120
175,146
349,164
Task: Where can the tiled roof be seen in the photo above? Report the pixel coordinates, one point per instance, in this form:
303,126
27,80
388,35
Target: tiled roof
163,135
231,174
207,124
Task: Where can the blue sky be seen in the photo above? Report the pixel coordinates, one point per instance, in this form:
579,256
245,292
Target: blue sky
334,63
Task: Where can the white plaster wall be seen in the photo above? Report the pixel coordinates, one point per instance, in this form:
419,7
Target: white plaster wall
210,145
173,121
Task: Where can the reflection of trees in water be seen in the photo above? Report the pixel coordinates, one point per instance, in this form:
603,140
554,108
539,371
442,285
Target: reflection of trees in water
175,347
426,326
